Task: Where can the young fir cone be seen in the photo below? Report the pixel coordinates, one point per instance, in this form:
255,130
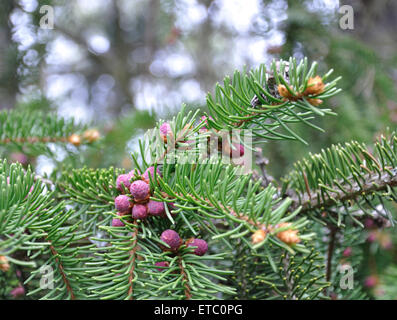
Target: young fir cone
165,130
156,208
171,238
140,190
284,92
288,236
315,102
315,86
122,203
200,244
123,179
116,222
149,174
4,265
162,264
139,211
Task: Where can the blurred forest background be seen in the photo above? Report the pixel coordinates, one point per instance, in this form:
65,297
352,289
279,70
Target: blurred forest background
122,65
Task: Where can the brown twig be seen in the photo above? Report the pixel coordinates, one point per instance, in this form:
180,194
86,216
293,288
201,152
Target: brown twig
133,256
372,183
33,140
184,279
331,247
61,270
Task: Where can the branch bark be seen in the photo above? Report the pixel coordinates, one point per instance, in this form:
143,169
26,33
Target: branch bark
372,182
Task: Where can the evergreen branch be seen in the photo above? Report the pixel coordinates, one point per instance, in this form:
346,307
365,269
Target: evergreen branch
341,175
63,274
266,100
38,128
371,183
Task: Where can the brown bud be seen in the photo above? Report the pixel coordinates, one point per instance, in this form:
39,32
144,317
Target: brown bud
314,86
258,236
4,265
288,236
75,139
91,135
283,91
315,102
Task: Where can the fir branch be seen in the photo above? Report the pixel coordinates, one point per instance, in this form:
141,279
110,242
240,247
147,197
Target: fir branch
61,270
371,183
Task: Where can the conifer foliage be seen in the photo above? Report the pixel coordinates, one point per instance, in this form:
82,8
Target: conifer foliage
185,224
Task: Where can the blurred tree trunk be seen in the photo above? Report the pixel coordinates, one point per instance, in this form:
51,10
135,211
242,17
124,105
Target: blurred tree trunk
375,23
8,58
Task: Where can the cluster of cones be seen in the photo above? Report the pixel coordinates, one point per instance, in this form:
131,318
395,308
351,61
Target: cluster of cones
174,242
134,199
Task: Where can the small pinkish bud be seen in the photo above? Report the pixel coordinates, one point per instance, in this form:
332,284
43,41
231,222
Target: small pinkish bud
163,264
139,190
123,179
122,203
156,208
238,149
201,245
171,238
165,129
150,171
139,211
19,157
369,223
347,252
371,237
116,222
370,281
18,291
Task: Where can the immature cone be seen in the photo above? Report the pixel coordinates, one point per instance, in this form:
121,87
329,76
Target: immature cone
315,86
91,135
258,236
122,203
139,190
4,265
150,172
75,139
165,130
139,211
347,252
171,238
123,179
205,127
288,236
237,150
162,264
156,208
116,222
18,291
315,102
201,245
283,91
371,281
